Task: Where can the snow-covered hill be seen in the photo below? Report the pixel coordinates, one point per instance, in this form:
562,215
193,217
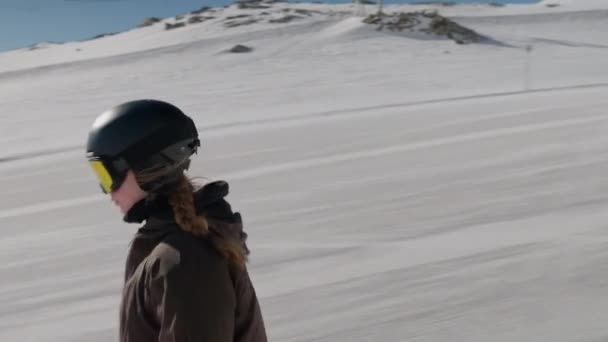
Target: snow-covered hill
395,187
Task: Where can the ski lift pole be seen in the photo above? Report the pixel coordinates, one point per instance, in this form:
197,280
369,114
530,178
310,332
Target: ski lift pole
527,67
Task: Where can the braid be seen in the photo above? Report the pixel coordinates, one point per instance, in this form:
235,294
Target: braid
230,249
181,199
182,202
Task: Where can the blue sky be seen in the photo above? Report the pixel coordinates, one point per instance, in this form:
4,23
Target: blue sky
26,22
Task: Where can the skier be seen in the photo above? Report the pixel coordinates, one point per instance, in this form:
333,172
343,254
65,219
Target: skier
186,277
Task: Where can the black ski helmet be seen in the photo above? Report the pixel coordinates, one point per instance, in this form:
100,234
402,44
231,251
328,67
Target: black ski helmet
140,135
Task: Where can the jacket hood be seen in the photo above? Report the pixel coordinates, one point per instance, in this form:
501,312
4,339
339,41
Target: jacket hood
209,200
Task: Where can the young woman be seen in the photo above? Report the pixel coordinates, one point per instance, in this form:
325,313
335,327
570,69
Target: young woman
186,277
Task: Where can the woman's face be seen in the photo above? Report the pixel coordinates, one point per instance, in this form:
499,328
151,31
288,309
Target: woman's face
128,194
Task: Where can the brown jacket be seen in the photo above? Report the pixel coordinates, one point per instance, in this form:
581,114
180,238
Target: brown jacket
178,288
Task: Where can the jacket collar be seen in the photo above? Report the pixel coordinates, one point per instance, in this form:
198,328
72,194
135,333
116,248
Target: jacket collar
157,206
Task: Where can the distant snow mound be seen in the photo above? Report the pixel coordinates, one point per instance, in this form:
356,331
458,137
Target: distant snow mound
201,10
103,35
240,20
436,3
278,15
195,19
170,26
42,45
428,23
149,22
256,4
240,49
452,3
575,3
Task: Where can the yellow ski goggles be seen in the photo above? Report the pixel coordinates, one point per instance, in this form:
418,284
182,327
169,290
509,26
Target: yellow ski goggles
109,174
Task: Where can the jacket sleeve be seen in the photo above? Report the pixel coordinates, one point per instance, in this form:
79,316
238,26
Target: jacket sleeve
193,298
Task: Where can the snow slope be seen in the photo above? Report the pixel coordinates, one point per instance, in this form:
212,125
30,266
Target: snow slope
394,189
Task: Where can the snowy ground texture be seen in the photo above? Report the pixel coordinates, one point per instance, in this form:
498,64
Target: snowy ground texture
395,188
